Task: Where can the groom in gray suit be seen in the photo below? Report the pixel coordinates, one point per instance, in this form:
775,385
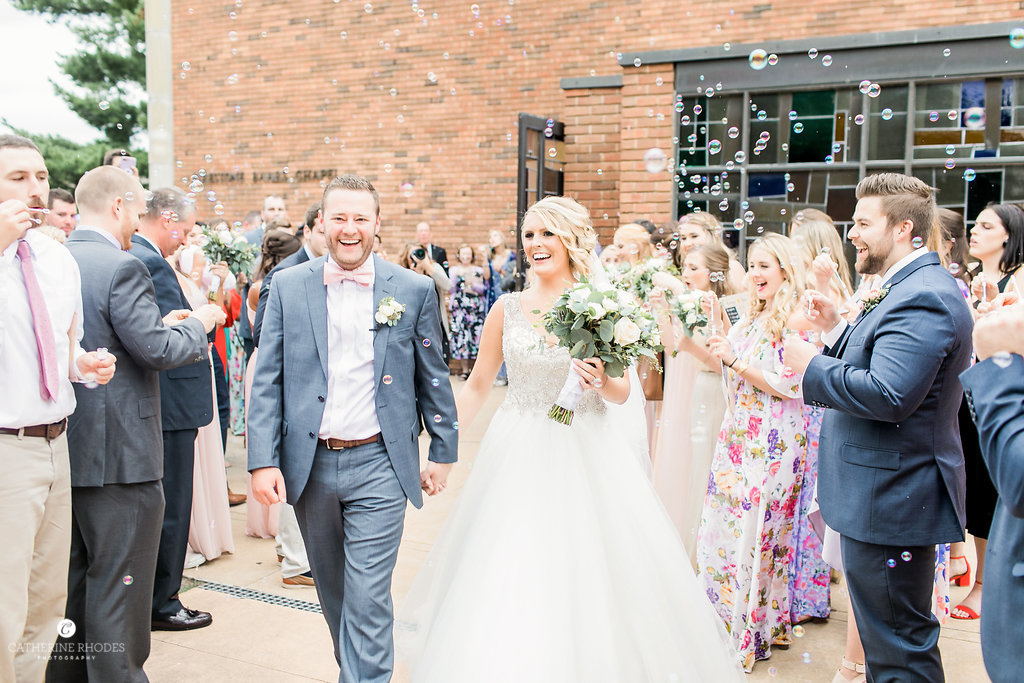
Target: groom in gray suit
349,360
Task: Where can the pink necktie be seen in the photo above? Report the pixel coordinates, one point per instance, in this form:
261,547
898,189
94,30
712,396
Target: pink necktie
363,275
45,344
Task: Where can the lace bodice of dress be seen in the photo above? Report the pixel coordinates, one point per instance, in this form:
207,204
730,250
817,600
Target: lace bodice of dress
536,371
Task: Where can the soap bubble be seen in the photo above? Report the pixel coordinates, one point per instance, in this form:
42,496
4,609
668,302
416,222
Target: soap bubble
437,419
773,59
969,174
890,562
758,59
104,105
812,53
798,631
864,85
1017,38
974,118
714,147
947,52
875,90
933,116
906,556
954,268
426,343
407,189
806,658
798,127
655,160
950,164
826,60
734,132
386,379
886,114
435,382
128,580
859,119
917,242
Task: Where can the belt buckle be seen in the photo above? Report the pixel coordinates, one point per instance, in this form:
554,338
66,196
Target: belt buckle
331,447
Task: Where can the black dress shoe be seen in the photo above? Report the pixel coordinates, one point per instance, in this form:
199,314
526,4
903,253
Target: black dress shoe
185,620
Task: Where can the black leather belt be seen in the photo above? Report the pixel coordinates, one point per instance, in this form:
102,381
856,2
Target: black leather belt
48,432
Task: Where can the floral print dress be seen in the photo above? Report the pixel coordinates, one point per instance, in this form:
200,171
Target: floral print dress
809,575
468,308
744,546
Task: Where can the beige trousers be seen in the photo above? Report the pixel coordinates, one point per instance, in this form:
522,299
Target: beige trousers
35,515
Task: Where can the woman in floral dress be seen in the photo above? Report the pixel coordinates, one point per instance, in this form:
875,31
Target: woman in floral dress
467,305
744,546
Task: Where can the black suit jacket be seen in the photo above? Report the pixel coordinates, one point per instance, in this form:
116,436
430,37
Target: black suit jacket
186,393
114,435
439,255
293,260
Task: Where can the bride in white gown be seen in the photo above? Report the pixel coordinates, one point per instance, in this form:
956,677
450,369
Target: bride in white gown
558,563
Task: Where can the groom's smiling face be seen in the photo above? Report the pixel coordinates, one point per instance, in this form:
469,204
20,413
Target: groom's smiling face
350,221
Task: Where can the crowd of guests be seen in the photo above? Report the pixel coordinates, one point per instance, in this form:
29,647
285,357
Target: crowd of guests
735,448
733,443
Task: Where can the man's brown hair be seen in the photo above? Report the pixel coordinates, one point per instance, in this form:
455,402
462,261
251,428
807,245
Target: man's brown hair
904,198
350,181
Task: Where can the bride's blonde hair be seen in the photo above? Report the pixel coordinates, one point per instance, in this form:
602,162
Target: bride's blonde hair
568,220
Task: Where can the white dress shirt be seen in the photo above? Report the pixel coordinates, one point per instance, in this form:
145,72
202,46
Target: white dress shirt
830,338
350,412
61,284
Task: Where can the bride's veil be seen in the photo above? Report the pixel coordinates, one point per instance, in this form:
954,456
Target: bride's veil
630,415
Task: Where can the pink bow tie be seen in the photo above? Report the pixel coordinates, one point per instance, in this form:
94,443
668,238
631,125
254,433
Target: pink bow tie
362,276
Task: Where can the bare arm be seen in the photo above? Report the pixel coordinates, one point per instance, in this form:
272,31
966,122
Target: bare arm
488,362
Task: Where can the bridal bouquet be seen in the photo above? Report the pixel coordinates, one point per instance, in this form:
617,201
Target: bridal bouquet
599,321
639,280
687,308
231,249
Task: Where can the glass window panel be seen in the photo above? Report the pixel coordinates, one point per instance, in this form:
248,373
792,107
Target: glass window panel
815,103
972,94
951,187
986,187
1013,183
766,185
716,108
817,188
814,143
937,96
888,138
770,154
841,203
838,178
552,182
767,102
531,179
800,182
892,97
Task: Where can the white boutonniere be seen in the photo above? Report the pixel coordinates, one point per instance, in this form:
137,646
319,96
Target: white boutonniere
874,298
389,311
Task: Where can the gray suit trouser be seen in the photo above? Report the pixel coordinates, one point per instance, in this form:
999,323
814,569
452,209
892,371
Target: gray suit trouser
351,515
114,538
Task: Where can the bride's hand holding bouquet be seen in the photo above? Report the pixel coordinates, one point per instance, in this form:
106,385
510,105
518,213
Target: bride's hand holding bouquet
606,331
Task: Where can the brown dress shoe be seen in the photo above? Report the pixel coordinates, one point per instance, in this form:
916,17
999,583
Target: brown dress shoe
235,498
299,581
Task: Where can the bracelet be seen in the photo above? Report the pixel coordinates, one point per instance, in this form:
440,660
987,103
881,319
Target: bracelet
733,362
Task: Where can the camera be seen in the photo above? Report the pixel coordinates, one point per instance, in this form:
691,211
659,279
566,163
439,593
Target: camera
418,254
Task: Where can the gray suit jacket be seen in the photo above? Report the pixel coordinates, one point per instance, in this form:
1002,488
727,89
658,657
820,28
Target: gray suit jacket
890,466
290,382
115,434
996,398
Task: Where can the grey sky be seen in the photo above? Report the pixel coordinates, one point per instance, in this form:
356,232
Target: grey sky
29,50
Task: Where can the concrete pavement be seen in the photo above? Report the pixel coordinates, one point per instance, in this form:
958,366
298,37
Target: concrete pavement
262,632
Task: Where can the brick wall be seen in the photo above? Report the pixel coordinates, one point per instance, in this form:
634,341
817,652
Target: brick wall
423,99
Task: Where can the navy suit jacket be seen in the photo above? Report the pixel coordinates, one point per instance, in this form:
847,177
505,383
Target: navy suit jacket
890,464
290,382
996,398
186,393
261,308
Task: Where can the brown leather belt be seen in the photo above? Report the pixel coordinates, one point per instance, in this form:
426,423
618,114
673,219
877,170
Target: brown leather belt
48,432
342,444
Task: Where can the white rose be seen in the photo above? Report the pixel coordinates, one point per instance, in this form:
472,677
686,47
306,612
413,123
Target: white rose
224,236
596,311
626,332
610,304
691,318
380,317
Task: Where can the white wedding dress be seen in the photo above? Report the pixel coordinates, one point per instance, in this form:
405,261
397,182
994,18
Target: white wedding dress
558,563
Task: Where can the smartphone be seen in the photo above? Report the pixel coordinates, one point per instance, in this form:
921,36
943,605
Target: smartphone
126,164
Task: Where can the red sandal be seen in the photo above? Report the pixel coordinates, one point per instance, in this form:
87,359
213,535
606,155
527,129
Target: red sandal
963,579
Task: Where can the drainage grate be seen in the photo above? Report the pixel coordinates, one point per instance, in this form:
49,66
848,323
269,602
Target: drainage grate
249,594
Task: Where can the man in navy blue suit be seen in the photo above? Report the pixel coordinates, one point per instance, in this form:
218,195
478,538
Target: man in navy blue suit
186,404
891,470
995,394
